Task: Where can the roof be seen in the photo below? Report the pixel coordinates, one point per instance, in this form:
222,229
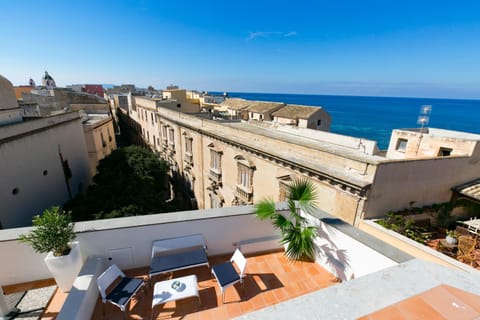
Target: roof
441,302
236,103
448,291
264,106
295,111
470,189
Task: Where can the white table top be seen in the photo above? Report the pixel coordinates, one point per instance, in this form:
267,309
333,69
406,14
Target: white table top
163,291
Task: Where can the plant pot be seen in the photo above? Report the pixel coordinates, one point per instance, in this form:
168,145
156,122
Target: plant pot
451,240
65,268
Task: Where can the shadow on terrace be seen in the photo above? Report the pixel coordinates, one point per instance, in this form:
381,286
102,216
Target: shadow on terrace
127,242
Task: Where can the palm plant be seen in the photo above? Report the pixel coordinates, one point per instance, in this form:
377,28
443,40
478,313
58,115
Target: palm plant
297,235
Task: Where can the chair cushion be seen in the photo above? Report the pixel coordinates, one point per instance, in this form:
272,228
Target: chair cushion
125,289
178,261
225,273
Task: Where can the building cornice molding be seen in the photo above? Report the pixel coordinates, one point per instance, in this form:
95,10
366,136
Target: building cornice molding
358,189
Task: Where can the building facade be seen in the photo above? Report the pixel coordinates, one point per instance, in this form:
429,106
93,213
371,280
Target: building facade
43,163
226,163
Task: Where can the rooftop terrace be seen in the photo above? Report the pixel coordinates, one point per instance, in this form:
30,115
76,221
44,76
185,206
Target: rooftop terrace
354,273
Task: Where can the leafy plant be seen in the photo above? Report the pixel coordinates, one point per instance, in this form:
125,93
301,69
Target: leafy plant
296,233
398,223
53,231
452,234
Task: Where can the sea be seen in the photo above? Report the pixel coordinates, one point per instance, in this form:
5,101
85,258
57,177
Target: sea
374,118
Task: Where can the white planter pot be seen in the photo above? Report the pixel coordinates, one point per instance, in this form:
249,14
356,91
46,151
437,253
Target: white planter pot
451,240
65,268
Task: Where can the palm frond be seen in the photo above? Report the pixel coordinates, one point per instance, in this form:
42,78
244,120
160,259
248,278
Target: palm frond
304,192
280,222
265,209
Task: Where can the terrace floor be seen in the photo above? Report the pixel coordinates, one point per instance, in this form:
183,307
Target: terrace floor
270,279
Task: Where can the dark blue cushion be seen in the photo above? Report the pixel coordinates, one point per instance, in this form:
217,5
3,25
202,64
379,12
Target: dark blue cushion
178,261
122,293
225,273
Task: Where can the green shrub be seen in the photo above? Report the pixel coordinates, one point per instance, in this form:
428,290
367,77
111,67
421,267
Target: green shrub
52,231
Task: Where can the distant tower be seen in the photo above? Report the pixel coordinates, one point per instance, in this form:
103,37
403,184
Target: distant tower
32,83
48,81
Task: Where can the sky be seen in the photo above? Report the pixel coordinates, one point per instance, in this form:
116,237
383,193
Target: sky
419,48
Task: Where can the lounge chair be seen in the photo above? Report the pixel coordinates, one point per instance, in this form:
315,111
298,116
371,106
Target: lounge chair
227,275
120,288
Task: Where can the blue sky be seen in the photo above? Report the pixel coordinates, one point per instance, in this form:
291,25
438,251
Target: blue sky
386,47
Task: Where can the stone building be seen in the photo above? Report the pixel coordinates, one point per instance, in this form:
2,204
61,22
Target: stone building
43,162
303,117
227,163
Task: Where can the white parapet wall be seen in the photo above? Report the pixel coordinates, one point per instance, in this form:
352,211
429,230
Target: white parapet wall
346,257
128,241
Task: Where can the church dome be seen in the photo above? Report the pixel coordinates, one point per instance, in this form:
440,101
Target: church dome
7,95
48,81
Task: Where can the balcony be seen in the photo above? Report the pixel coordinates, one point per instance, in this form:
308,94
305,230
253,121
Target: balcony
271,279
188,159
246,197
215,176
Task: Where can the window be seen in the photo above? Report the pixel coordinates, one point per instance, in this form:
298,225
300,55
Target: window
104,144
401,145
158,141
164,133
261,117
146,116
319,123
215,201
154,141
244,176
444,152
148,136
151,116
171,137
215,160
188,145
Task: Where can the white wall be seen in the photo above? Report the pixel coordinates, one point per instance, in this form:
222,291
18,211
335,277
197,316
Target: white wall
344,256
30,163
222,228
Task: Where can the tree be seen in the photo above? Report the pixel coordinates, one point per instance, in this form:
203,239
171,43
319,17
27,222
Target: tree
130,181
296,233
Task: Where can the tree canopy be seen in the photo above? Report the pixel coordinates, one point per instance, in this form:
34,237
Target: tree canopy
130,181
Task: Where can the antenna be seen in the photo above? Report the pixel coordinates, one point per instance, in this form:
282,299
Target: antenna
424,116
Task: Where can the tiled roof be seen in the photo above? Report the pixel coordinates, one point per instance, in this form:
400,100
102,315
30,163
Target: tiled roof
263,106
236,103
293,111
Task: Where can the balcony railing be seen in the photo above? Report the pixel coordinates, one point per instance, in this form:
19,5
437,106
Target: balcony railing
214,176
245,196
188,158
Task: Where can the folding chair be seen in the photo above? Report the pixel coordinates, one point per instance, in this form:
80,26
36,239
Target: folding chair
120,288
466,249
227,275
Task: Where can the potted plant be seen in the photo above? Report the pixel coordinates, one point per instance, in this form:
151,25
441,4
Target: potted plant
297,235
451,237
53,234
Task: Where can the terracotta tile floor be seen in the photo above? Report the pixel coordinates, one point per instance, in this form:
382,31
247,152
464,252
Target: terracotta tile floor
442,302
270,279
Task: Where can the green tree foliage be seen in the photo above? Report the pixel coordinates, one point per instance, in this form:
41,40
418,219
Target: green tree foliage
130,181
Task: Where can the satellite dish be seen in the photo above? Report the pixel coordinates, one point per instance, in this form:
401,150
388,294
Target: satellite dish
424,116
